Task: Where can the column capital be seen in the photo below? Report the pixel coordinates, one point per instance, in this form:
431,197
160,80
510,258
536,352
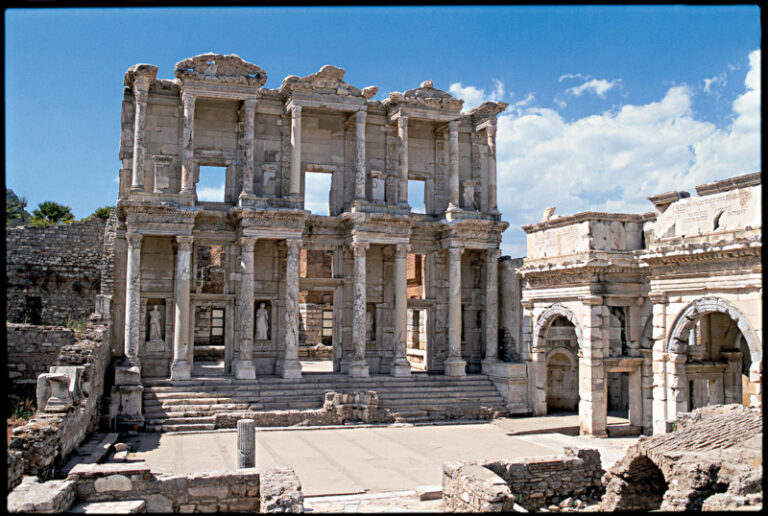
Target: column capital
527,304
402,120
455,252
295,111
493,255
657,297
250,103
359,248
360,115
188,97
185,242
293,245
247,243
401,250
453,126
133,239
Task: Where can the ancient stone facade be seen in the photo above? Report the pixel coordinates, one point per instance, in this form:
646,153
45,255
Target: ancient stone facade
53,274
653,314
208,267
30,351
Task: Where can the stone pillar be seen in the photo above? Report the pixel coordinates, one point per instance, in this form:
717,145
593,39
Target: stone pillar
143,77
592,387
291,366
659,366
539,370
636,398
360,118
248,122
132,298
453,165
295,184
732,377
402,160
454,365
188,144
677,382
756,379
492,305
246,443
358,367
400,365
491,133
244,369
181,369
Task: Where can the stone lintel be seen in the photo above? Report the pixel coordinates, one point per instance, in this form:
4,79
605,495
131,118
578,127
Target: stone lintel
731,183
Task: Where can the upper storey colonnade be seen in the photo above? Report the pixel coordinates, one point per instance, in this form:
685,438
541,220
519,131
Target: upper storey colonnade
216,112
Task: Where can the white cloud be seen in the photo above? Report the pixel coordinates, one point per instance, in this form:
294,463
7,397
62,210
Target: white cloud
597,86
211,193
717,80
614,160
473,96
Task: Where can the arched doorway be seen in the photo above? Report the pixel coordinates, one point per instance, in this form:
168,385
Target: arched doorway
562,385
719,350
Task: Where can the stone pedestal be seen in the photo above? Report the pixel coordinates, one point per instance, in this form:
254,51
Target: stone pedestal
455,367
359,369
59,399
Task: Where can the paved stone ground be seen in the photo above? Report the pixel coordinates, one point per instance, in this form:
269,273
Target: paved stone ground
397,501
344,461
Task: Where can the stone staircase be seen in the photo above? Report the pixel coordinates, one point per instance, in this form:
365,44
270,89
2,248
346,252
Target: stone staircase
192,405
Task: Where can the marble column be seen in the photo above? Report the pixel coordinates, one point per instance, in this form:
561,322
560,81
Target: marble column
360,118
246,443
141,95
244,369
291,365
181,368
400,365
454,365
358,367
491,133
453,165
188,144
492,305
132,298
402,160
249,113
295,184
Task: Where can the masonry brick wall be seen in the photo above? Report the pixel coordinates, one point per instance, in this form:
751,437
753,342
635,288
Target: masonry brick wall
30,351
53,274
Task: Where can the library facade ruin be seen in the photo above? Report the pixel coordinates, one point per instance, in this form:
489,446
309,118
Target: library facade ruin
648,314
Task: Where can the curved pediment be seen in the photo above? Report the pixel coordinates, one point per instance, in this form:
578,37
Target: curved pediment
218,67
328,80
426,95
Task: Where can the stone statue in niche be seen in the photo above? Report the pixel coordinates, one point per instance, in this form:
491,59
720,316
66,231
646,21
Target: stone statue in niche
269,186
262,323
155,324
469,195
370,326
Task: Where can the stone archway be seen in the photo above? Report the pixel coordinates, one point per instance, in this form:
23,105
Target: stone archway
562,381
544,322
681,350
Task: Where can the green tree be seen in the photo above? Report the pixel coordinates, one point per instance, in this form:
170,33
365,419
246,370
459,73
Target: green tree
103,212
49,212
15,212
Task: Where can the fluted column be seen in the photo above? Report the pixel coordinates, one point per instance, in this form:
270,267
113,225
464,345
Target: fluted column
453,165
181,369
244,368
132,298
291,366
358,367
492,305
402,160
400,365
188,144
491,134
454,365
248,121
295,185
360,118
143,77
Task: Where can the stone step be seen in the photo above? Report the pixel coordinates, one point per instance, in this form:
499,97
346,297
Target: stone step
198,427
179,420
120,507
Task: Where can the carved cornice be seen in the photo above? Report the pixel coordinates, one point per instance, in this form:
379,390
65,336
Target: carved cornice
732,183
163,208
283,217
486,110
220,68
703,252
328,80
424,96
555,222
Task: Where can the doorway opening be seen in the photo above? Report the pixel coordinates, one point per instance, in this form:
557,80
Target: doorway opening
209,341
562,367
316,331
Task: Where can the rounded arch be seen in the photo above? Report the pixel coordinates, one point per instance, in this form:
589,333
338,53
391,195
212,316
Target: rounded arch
678,338
546,318
567,353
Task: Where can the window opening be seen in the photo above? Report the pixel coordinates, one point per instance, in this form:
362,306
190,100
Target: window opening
317,192
210,187
416,195
415,275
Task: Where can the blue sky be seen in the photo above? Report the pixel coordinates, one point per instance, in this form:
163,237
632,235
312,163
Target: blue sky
607,104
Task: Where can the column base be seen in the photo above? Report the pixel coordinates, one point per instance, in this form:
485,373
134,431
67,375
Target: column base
130,404
181,370
400,368
128,373
455,367
358,369
244,370
291,369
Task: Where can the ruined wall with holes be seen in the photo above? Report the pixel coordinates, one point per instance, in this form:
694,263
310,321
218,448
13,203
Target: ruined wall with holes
712,459
53,274
30,351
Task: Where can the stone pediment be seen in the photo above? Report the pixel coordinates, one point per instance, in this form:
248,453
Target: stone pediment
425,96
223,68
487,110
329,80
